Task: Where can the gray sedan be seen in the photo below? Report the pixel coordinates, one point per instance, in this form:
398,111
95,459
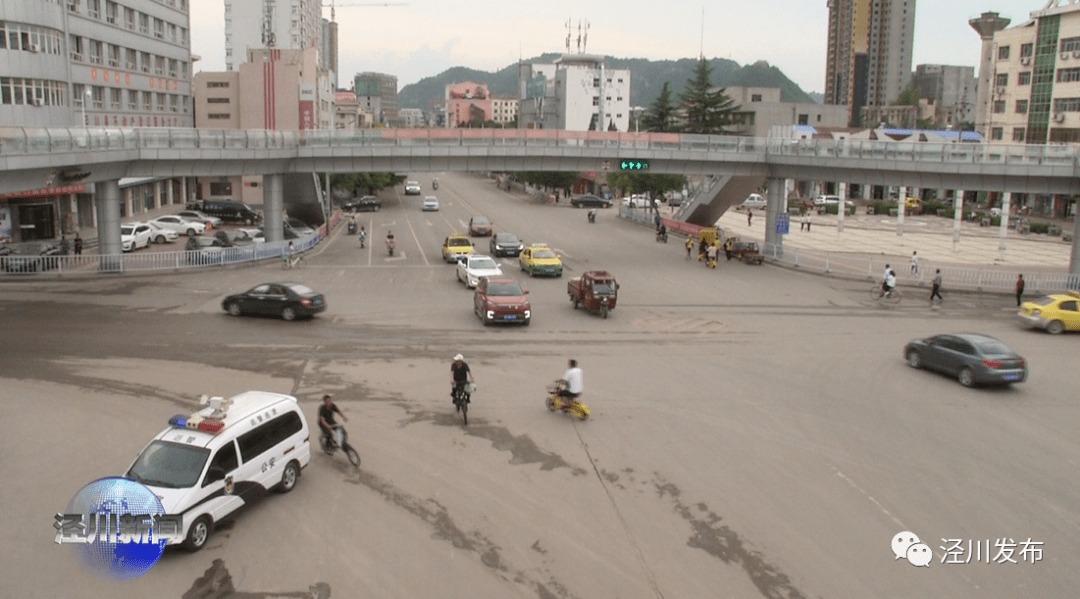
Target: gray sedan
972,358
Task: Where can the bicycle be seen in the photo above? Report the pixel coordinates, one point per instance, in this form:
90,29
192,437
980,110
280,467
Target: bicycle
329,445
288,262
462,393
892,297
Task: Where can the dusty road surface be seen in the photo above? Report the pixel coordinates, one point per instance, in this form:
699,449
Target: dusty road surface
755,432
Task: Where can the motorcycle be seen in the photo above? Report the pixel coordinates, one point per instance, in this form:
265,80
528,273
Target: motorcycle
566,406
390,246
362,237
352,227
329,445
661,236
592,216
435,184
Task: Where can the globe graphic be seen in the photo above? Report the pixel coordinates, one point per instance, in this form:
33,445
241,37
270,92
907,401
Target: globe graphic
118,496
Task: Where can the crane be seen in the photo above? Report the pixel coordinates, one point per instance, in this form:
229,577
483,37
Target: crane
333,16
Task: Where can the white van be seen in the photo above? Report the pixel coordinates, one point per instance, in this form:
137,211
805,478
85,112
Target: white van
206,466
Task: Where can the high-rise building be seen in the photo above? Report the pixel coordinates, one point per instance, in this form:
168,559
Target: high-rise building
951,90
257,24
1032,76
869,53
382,86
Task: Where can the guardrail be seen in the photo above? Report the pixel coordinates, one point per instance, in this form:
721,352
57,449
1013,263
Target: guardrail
23,141
991,280
92,264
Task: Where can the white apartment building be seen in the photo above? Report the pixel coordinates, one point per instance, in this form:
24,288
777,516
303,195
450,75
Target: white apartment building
575,93
1035,79
279,24
504,108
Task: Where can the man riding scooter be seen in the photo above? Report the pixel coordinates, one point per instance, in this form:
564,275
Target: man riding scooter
592,215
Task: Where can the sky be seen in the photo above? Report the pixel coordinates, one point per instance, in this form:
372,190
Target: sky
413,39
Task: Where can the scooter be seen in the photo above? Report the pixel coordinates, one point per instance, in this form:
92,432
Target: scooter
390,246
566,406
352,227
592,216
329,445
661,236
362,237
435,184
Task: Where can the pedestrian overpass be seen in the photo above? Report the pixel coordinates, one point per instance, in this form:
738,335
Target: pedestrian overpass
33,158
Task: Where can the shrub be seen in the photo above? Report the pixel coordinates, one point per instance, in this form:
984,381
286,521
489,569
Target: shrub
1040,228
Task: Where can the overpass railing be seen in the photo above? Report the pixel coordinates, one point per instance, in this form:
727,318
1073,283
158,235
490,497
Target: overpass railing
23,141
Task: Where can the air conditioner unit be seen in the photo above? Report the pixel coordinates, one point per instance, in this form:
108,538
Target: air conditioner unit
1064,56
39,102
1025,60
35,48
1001,91
1076,53
1059,117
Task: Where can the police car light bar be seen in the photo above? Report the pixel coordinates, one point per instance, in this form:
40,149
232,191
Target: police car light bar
207,425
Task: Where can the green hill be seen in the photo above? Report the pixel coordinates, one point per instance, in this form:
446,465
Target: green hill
647,78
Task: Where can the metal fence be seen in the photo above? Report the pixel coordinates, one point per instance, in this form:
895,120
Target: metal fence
92,264
967,278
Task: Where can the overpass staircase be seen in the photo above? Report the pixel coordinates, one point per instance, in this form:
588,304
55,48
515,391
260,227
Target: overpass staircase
715,196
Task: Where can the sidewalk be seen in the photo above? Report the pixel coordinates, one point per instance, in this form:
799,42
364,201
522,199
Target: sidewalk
875,236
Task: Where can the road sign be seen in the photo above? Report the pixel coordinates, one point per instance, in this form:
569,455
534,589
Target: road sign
605,165
783,223
633,165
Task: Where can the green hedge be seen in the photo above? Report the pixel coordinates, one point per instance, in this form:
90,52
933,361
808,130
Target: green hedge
1040,228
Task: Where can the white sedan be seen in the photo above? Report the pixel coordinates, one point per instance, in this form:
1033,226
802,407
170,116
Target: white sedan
134,236
159,234
430,203
180,224
471,267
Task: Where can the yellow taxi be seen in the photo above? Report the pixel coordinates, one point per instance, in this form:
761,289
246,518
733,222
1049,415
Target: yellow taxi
539,259
1053,313
456,245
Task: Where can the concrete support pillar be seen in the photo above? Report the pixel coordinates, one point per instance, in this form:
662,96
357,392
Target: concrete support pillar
273,206
1074,258
901,206
841,208
107,205
168,192
775,206
183,190
958,217
1003,229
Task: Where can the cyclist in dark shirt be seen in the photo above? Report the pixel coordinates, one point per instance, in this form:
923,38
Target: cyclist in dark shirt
459,375
326,418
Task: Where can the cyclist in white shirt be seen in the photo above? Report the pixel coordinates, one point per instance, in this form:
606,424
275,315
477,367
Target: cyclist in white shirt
573,385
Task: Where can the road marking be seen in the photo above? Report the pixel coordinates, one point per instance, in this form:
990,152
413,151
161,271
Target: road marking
868,496
418,245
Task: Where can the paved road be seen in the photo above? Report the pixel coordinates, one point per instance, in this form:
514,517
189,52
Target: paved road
755,432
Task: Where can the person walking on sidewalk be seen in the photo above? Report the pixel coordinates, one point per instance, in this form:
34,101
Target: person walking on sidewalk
1019,289
689,245
749,216
78,245
914,263
935,291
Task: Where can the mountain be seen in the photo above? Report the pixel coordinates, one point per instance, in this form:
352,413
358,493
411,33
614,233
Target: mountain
647,77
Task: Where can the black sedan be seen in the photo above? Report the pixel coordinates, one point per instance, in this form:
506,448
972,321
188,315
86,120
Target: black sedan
590,201
972,358
364,204
287,300
506,244
34,256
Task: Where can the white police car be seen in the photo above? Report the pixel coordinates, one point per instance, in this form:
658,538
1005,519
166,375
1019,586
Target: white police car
206,466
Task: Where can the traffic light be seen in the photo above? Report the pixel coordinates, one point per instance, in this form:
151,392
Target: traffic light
634,165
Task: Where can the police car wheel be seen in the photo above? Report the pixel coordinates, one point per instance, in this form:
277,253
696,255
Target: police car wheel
198,534
289,477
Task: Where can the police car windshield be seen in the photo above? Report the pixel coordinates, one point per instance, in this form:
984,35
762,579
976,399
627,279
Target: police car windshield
169,465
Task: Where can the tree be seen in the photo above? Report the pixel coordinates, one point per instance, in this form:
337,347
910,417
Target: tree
549,179
654,185
707,112
662,114
368,183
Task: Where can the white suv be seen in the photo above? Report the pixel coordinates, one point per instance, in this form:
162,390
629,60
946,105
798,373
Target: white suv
412,188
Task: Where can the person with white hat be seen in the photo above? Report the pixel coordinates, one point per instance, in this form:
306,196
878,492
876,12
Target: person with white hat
459,375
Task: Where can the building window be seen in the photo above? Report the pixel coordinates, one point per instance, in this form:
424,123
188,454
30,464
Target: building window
217,84
145,65
1027,50
804,119
144,23
1003,52
129,18
132,59
997,133
1001,80
76,44
999,106
147,101
1021,106
112,11
159,29
1067,105
133,99
1023,78
218,115
114,56
95,52
755,97
1068,75
217,100
596,101
93,8
116,98
596,82
1070,44
1018,133
223,188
